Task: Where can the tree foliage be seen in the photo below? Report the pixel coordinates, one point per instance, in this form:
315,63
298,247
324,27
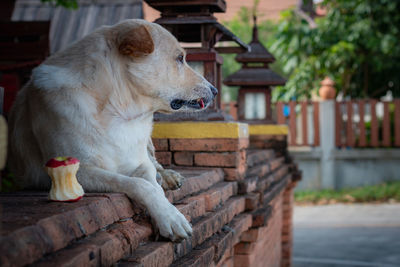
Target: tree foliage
356,44
70,4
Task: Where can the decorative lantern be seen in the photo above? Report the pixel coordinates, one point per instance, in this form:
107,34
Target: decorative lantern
255,80
193,24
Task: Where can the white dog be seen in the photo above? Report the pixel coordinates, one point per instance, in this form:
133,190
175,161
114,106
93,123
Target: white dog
95,101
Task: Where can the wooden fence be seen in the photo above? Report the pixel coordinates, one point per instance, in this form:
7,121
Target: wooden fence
367,123
358,123
303,121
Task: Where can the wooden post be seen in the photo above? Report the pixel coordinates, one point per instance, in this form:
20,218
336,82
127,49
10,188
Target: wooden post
386,125
361,108
279,113
316,124
397,122
292,123
304,114
349,129
374,125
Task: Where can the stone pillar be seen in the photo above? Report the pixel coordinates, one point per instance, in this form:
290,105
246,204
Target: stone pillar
327,93
327,134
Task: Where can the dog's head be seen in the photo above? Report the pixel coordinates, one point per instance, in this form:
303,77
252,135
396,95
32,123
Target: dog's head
156,68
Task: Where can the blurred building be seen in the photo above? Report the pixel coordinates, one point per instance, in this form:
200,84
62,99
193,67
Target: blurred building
68,26
267,9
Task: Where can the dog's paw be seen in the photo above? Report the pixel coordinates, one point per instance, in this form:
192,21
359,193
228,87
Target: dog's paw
173,225
171,179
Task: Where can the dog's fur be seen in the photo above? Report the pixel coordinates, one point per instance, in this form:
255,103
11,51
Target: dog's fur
95,101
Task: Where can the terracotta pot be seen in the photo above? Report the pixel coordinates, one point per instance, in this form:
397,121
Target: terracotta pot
327,90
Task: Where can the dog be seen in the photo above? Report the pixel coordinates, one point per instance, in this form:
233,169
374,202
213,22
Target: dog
95,101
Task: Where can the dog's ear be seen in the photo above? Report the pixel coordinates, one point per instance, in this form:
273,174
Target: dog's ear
136,42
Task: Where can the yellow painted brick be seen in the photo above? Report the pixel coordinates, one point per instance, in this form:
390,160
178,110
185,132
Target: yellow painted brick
200,130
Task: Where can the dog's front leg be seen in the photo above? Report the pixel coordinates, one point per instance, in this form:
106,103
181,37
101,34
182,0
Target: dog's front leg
170,222
170,179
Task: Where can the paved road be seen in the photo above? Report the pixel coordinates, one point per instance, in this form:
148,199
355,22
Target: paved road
347,235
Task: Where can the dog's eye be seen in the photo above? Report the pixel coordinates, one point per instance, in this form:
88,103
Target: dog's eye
180,58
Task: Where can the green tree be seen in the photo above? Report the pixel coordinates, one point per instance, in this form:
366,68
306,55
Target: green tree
70,4
356,44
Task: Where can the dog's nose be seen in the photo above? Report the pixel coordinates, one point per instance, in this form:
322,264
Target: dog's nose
214,90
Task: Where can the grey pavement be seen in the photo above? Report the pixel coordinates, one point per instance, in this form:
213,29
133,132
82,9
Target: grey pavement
345,235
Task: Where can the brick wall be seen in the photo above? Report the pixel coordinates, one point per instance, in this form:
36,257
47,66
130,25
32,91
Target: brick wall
237,195
261,246
226,153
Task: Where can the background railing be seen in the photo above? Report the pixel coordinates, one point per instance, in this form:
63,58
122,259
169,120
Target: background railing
303,121
367,123
358,123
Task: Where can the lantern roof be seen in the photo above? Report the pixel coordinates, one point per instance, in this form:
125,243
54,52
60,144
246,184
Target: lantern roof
194,22
257,53
254,77
255,71
188,6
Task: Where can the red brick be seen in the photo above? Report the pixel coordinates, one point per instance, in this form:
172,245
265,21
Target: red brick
103,248
64,228
164,158
229,262
192,208
228,159
197,258
247,185
277,188
264,183
160,144
112,245
286,238
213,145
252,200
183,158
218,194
24,246
229,252
261,216
194,182
83,255
253,234
160,254
243,260
240,224
260,170
281,172
245,248
221,242
235,174
53,225
262,240
122,205
210,224
255,157
206,227
276,163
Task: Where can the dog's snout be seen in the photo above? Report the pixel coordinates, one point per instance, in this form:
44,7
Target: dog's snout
214,90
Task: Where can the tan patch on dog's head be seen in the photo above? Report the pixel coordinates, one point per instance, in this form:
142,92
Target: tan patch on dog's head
136,42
